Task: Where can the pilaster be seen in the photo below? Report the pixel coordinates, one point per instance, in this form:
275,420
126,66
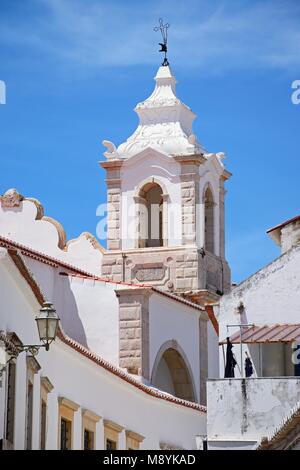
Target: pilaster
189,178
222,193
134,352
114,201
203,357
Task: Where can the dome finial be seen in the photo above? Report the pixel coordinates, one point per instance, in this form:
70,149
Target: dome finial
163,28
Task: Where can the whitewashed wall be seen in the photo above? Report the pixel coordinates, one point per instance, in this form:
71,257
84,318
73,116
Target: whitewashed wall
88,309
86,383
25,224
244,410
170,320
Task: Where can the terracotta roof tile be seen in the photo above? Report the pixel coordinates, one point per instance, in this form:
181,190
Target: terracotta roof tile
285,333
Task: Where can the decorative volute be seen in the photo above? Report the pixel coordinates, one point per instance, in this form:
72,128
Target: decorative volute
165,123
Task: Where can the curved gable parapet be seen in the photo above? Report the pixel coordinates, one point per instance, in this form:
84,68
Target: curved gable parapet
90,238
22,220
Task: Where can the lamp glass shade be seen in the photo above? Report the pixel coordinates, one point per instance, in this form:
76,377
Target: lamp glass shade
47,323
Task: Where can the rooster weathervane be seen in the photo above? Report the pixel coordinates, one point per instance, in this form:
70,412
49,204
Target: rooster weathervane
163,28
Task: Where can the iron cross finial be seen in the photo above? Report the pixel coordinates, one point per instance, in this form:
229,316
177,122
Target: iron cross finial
163,28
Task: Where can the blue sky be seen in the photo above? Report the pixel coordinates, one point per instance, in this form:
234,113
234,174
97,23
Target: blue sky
74,70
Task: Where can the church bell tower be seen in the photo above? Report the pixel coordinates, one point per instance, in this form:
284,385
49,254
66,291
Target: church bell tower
165,196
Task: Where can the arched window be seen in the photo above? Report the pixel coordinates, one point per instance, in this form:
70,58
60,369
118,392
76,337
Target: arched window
151,216
209,221
171,374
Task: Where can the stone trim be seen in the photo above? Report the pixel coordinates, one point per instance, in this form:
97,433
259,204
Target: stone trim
167,446
222,193
32,364
112,425
203,357
111,164
134,435
114,202
66,410
196,159
46,384
90,415
150,180
133,440
134,354
68,403
62,238
11,198
189,178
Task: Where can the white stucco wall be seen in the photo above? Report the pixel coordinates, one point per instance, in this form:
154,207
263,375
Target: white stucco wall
248,409
97,311
84,382
170,320
88,309
213,357
25,224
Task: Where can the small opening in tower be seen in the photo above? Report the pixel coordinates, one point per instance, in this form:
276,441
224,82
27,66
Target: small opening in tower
151,216
209,221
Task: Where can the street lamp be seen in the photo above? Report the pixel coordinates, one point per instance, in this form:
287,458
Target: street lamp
47,325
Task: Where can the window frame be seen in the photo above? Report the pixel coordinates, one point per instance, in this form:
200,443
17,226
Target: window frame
89,423
66,411
133,440
111,432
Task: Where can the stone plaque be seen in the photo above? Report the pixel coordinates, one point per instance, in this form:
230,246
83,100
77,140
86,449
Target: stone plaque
150,274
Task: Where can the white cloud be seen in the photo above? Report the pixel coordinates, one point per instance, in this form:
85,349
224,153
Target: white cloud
216,35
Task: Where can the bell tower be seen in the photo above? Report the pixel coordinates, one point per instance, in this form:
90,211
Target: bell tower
165,196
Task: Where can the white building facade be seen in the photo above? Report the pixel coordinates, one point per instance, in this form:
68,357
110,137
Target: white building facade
136,343
243,411
71,398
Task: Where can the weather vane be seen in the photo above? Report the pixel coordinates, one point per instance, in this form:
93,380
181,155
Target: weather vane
163,28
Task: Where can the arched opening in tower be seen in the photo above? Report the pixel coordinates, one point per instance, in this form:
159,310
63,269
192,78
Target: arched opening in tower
151,216
209,221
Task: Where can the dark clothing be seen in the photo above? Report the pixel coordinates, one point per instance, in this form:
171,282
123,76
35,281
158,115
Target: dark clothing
248,367
230,360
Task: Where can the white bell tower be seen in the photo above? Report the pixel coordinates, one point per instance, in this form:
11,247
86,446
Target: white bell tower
165,197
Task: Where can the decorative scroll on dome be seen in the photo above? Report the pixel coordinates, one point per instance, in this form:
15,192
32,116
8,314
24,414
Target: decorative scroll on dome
165,123
11,199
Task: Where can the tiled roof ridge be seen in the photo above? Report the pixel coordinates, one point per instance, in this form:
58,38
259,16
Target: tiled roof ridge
27,275
43,257
125,376
27,251
282,429
147,286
